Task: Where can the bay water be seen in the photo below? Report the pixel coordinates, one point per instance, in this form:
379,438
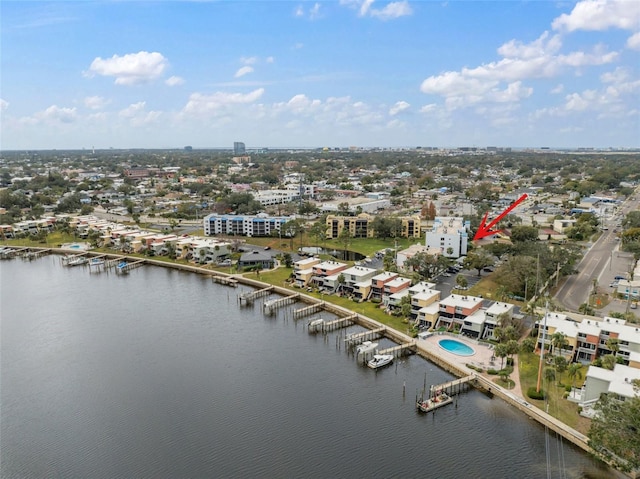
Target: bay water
163,374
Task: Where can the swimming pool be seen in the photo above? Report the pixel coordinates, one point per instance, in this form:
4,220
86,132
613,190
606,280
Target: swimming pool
456,347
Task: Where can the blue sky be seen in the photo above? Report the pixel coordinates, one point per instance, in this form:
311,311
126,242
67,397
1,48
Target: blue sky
166,74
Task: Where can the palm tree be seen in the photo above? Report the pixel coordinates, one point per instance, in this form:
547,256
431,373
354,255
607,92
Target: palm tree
549,374
501,351
574,372
558,340
560,363
613,344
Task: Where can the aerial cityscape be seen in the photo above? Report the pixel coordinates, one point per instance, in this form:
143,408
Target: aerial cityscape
232,233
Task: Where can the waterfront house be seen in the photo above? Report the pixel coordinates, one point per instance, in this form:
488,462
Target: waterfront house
255,260
454,309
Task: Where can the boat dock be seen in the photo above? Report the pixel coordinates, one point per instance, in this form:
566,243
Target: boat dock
339,323
75,259
455,386
314,308
225,280
124,267
249,298
30,255
358,338
270,307
399,350
442,394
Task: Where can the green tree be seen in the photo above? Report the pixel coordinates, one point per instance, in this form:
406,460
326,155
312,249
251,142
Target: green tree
528,345
502,352
549,374
478,259
558,341
613,344
461,281
615,428
574,371
523,233
608,361
560,364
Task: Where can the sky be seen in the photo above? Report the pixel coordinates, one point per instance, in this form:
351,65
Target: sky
367,73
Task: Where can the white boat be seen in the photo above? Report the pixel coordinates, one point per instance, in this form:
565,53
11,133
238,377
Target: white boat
77,261
96,262
316,325
380,360
366,347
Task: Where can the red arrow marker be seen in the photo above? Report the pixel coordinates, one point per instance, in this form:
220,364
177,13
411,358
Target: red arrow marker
485,230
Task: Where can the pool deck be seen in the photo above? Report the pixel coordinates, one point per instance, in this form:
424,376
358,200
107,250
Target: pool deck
480,358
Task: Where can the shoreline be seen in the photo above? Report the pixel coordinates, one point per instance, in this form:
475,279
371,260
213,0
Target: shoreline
423,348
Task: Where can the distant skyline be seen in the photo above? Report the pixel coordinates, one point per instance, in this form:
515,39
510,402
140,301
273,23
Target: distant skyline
364,73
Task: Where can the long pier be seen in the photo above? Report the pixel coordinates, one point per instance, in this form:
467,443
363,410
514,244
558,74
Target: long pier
308,310
249,298
271,306
399,350
357,338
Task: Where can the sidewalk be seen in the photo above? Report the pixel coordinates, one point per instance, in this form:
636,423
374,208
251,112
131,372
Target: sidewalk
481,358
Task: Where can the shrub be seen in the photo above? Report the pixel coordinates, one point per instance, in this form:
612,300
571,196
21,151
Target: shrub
533,394
568,388
509,361
492,371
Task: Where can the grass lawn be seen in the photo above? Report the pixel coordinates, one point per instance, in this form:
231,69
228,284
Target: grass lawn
558,407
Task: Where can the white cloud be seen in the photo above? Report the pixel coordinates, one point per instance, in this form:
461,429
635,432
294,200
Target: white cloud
398,107
270,59
559,88
431,107
537,48
131,68
248,60
52,115
174,81
389,11
138,116
132,110
95,102
243,71
633,42
393,10
4,104
314,12
205,104
299,12
538,59
600,15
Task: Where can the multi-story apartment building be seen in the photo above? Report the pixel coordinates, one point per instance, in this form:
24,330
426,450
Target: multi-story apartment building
449,235
360,226
378,282
239,225
590,338
455,309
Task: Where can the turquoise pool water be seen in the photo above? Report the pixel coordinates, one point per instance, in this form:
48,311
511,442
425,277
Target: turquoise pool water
456,347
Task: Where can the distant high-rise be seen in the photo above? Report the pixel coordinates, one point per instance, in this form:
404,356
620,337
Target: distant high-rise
238,148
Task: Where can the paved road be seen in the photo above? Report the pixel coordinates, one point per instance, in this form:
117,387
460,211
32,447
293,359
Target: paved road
601,262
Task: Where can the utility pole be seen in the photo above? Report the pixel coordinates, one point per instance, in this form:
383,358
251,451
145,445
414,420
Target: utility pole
544,337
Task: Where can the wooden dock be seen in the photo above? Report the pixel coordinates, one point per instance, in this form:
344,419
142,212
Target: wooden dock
249,298
442,394
112,263
309,310
399,350
270,307
339,323
357,338
124,268
31,255
456,386
225,280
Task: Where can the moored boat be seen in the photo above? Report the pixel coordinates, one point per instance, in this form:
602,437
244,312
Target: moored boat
366,347
380,360
438,400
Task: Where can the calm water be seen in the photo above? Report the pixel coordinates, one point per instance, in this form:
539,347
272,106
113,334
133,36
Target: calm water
160,374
